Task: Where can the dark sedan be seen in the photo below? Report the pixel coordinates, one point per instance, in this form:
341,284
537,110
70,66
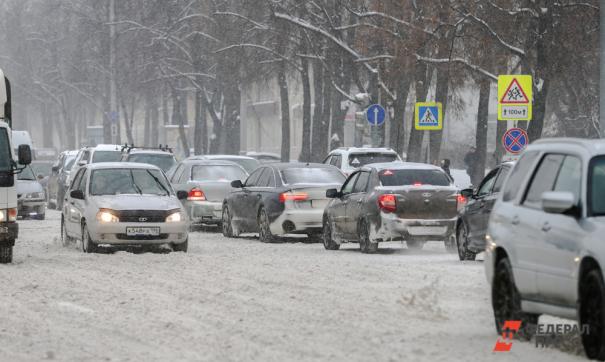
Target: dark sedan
473,218
279,199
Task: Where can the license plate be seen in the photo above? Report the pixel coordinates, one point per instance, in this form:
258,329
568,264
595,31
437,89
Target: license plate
3,230
142,231
426,230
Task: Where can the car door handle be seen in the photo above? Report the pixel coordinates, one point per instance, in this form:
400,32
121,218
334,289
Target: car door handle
546,227
515,220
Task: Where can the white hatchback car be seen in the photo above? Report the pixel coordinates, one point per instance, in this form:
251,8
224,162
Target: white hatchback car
545,250
123,204
350,159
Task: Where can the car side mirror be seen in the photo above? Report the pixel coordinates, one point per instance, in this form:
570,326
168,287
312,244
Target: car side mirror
24,154
55,170
467,193
82,163
332,194
182,195
237,184
77,194
558,202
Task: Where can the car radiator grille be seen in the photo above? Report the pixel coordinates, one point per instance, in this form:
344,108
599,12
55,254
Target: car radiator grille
143,215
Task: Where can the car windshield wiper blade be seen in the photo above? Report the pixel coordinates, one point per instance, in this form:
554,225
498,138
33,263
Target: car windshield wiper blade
158,182
135,184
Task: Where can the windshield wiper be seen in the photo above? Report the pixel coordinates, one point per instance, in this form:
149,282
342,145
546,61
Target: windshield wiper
158,182
135,184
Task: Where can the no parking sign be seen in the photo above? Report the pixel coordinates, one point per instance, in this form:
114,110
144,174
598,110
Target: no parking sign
515,140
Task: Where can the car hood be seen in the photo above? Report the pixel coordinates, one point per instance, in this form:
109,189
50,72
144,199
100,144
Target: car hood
27,186
136,202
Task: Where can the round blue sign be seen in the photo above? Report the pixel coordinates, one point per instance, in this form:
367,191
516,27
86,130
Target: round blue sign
375,115
515,140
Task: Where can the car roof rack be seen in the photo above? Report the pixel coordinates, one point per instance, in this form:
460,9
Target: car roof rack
126,147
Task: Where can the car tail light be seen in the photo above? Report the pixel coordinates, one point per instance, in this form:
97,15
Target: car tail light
387,202
460,201
417,184
196,195
293,196
12,214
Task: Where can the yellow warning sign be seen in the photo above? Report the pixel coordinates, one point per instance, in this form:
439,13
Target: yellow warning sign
515,97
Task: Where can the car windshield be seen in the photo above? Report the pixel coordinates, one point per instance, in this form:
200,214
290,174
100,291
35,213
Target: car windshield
413,177
106,156
597,187
27,174
69,163
311,175
248,164
5,151
165,162
41,168
122,181
217,173
362,159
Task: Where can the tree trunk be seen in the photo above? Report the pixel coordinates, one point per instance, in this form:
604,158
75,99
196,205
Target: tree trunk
179,118
154,133
441,94
481,132
422,80
397,132
201,131
285,113
320,126
147,130
305,154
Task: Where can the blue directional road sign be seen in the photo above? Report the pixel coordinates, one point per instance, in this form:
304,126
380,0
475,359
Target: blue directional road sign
515,140
375,115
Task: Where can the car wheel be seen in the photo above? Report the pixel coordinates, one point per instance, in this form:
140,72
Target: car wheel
328,240
415,244
227,226
506,302
182,247
88,246
264,227
592,314
6,254
365,245
65,240
462,243
41,216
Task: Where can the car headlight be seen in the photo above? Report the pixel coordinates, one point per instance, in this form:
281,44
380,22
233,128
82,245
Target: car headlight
11,213
175,217
35,195
106,217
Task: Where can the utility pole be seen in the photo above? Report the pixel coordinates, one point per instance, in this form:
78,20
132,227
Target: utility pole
113,113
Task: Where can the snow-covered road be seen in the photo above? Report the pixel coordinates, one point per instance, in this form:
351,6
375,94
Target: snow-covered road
239,299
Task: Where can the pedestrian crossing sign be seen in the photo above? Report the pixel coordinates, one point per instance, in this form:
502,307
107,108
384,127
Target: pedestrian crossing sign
515,94
428,116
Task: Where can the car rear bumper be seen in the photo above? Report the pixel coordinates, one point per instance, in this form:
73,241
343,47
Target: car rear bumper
298,221
9,231
116,233
395,228
204,212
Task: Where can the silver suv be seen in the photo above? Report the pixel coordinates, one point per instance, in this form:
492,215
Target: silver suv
545,249
350,159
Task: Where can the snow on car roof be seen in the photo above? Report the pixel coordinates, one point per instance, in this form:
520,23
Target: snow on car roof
402,166
126,165
593,146
150,152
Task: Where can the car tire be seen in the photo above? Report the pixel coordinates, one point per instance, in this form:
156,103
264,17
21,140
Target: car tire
462,244
328,240
88,246
227,223
182,247
415,244
365,246
65,240
264,227
592,314
6,254
41,216
506,302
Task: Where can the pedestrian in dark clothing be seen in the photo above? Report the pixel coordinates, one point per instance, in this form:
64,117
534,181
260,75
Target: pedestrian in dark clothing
445,165
470,161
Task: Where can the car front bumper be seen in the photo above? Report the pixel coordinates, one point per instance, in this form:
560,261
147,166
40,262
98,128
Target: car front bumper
395,228
298,221
204,212
9,231
31,207
116,233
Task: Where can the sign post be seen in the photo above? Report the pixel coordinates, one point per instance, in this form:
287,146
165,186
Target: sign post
375,114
